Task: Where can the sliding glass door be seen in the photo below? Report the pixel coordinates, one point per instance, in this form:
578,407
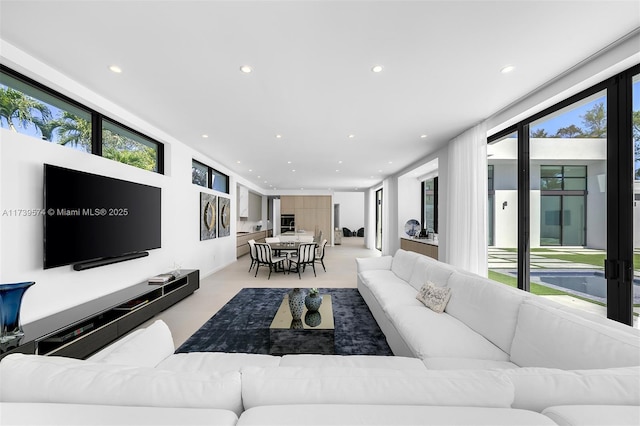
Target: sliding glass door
576,172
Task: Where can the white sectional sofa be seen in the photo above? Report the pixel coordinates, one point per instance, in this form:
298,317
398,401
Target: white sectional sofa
484,361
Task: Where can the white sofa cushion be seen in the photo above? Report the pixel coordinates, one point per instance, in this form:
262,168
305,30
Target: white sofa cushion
580,415
293,386
373,263
389,290
485,306
402,264
539,388
429,269
35,378
32,413
429,334
353,361
145,348
385,415
216,362
451,363
549,337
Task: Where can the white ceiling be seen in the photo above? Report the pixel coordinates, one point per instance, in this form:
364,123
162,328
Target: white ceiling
312,81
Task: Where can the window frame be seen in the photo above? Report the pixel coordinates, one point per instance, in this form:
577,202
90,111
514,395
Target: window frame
211,172
96,119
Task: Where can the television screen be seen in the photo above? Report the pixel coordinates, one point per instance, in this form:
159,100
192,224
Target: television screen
89,217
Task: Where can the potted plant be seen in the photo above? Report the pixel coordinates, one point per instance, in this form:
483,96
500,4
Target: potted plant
313,300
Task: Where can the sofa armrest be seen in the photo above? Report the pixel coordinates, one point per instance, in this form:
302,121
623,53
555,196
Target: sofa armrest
373,263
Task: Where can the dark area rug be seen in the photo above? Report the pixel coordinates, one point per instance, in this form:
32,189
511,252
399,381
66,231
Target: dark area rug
242,325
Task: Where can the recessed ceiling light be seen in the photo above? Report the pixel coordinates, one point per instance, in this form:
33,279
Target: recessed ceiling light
339,161
423,136
288,162
377,68
337,170
390,162
205,136
293,170
250,170
238,161
507,69
351,136
115,69
246,69
278,136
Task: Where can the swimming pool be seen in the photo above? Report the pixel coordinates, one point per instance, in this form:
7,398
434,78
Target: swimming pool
585,283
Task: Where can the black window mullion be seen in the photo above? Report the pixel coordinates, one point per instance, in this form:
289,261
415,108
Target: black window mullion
96,134
619,262
524,215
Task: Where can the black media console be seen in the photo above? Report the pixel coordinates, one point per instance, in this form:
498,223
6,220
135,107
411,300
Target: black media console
83,330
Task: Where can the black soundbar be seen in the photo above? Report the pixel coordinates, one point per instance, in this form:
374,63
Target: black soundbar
108,261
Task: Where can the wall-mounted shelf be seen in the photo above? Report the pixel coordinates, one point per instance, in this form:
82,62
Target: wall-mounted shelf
80,331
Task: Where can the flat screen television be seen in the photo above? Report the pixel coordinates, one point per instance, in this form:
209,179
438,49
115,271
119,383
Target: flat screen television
95,220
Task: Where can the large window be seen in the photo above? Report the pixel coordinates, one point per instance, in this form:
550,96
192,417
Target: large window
206,176
430,205
29,108
563,205
129,147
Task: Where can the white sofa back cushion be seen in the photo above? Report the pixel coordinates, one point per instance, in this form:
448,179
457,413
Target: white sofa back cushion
142,348
485,306
539,388
216,362
403,263
35,378
336,385
552,338
428,269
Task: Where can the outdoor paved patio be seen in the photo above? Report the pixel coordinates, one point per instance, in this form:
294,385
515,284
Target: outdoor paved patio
500,258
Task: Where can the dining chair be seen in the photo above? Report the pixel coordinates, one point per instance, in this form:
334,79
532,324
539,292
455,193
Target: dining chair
265,257
252,253
320,254
306,256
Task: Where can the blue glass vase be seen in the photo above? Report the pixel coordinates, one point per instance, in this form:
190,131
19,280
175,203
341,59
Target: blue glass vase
10,301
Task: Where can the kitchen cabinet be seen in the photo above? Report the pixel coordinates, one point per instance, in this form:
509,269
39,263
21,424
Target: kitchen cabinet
311,212
243,201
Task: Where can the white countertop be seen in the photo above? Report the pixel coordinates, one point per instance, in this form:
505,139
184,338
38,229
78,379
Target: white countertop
429,241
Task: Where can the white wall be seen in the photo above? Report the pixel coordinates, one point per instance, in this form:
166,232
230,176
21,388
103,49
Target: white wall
21,187
409,201
351,209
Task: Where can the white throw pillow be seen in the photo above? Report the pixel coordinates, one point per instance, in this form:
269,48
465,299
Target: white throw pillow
146,349
434,297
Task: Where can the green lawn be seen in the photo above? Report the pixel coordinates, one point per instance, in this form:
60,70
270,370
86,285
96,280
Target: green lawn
596,259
